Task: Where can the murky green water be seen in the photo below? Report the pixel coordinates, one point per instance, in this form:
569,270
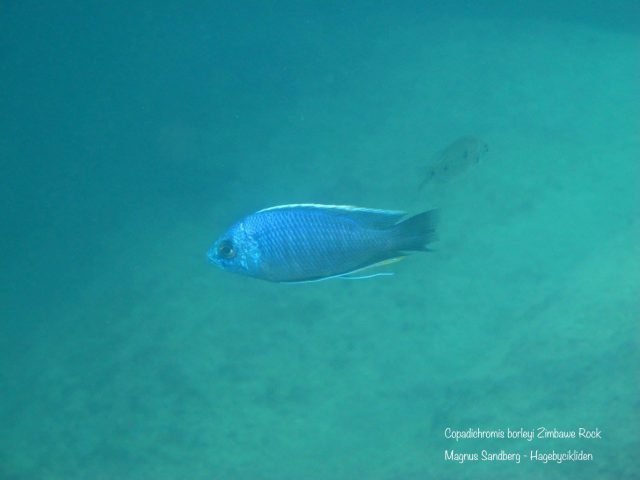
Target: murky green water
132,136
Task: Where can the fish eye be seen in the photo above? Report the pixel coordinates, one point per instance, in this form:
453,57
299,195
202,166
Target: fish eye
226,250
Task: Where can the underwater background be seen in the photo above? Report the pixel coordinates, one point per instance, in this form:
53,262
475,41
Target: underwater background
133,134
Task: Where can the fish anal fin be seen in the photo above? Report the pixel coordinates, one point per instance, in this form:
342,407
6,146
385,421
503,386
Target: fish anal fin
388,261
382,263
350,275
362,277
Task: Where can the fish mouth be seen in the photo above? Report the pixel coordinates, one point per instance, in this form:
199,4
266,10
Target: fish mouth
212,255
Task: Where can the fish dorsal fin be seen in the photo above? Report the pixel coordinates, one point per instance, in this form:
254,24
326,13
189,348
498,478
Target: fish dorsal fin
370,217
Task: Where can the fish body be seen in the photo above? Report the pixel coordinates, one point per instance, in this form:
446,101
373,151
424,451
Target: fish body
307,242
455,159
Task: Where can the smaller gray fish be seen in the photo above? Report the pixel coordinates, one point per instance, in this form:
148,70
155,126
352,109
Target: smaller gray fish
454,160
308,242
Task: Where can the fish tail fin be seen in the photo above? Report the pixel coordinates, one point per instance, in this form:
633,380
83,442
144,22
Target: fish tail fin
417,232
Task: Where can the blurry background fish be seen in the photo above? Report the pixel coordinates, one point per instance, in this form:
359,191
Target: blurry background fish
455,159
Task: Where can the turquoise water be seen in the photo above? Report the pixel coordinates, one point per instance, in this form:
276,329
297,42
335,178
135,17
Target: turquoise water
132,136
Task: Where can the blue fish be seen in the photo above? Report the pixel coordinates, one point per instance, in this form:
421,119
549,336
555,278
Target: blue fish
309,242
